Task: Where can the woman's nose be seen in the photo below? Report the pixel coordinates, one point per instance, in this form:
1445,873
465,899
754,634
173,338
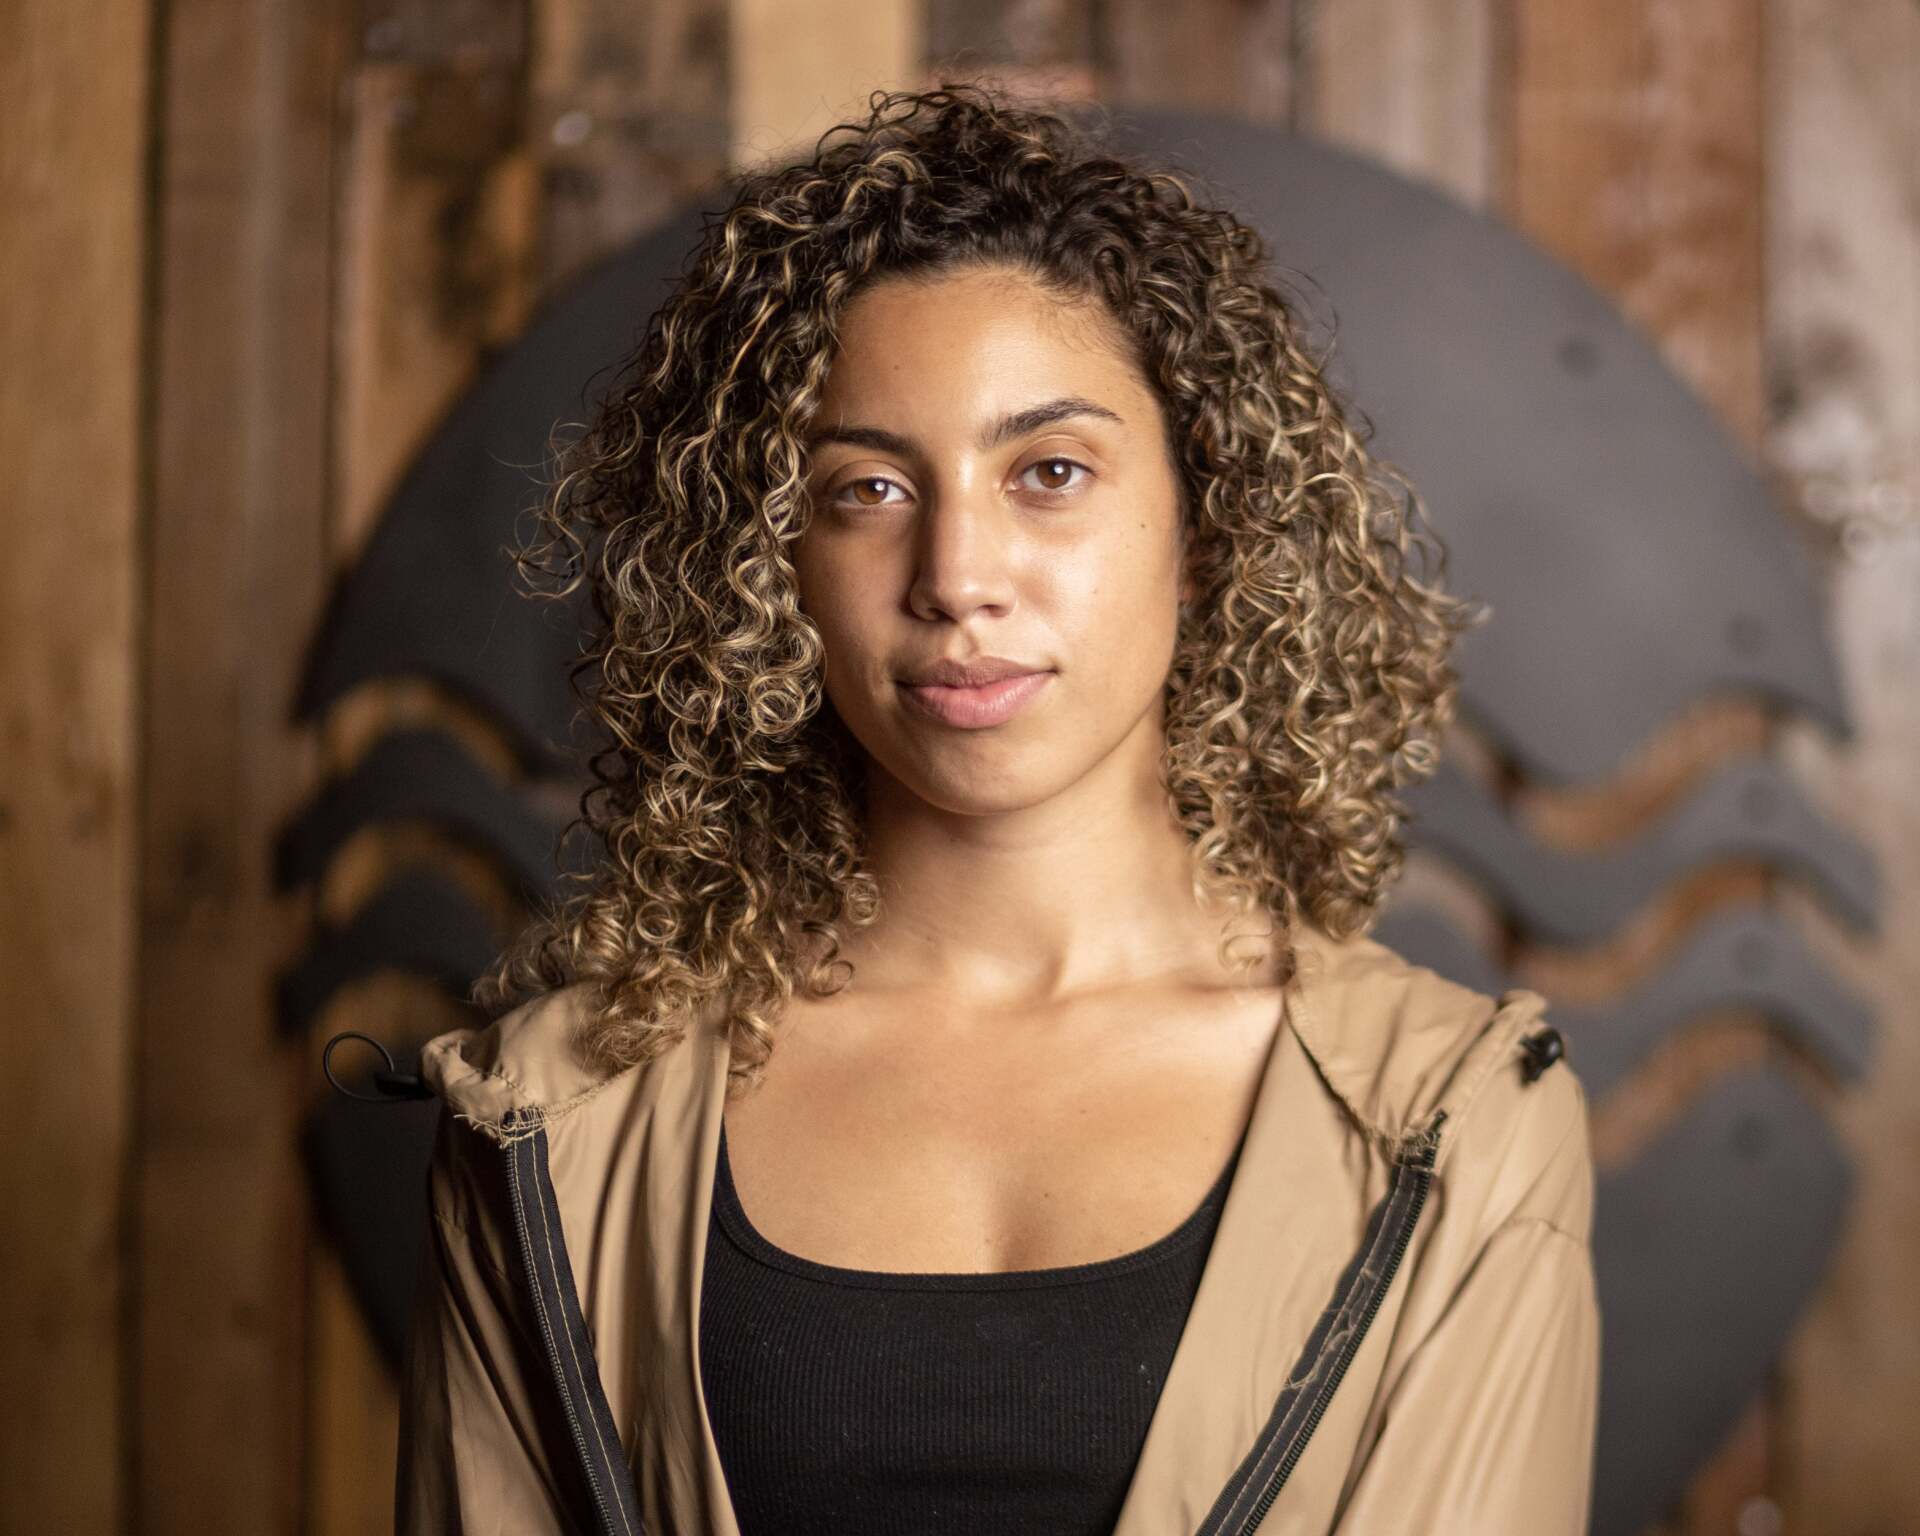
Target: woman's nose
963,555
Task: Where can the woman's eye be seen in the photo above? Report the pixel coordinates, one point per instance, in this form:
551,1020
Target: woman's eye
1056,475
867,491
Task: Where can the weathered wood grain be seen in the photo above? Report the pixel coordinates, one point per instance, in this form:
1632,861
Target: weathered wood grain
1228,56
798,70
1414,83
630,114
1843,333
244,228
73,246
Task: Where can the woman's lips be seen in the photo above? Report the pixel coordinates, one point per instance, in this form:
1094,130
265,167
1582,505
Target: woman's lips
972,708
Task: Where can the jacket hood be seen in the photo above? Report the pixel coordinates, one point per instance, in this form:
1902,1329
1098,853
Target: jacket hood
1389,1039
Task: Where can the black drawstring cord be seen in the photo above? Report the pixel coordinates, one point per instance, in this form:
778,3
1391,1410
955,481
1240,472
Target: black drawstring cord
393,1084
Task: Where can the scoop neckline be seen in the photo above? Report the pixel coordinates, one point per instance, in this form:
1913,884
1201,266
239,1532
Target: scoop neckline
739,1227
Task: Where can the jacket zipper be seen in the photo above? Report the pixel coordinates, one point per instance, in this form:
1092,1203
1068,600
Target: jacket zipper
550,1279
549,1273
1412,1178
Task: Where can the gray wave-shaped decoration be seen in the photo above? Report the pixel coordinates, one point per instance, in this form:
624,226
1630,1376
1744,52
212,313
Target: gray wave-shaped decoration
1745,957
1747,809
419,922
423,774
1706,1250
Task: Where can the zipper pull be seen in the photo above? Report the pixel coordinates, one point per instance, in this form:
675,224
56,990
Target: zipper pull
1544,1047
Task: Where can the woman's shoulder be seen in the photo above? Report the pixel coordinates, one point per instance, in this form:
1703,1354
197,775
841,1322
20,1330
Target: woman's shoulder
521,1093
1524,1147
1398,1042
530,1069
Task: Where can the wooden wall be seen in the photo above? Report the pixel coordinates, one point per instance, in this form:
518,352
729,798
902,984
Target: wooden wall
74,138
251,251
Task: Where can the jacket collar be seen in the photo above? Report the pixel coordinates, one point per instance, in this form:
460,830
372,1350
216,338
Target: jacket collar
1384,1037
1393,1042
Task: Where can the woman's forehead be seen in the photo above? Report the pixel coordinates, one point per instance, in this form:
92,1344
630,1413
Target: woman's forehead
1080,319
975,346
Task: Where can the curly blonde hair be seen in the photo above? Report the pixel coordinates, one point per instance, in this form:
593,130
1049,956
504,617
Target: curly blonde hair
1311,676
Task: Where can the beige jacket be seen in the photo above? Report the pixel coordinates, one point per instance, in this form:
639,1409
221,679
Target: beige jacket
1396,1331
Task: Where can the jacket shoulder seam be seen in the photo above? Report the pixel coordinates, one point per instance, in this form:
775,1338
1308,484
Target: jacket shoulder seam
527,1114
529,1119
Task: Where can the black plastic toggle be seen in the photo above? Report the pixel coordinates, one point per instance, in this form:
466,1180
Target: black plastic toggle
392,1083
1544,1047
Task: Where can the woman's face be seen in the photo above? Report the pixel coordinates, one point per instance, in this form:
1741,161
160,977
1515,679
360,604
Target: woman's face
990,478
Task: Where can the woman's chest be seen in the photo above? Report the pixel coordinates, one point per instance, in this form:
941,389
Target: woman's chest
853,1401
892,1135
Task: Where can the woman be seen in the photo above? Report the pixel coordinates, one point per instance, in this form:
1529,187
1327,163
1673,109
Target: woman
966,1098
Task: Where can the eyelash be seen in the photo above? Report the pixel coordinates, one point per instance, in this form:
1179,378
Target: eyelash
1052,458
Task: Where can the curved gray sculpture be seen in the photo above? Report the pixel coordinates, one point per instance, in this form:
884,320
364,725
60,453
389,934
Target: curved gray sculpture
1633,560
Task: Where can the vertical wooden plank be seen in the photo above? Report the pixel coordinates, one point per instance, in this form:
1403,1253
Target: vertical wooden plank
1410,82
243,227
434,266
985,34
1634,155
630,116
1230,56
1843,261
799,69
1043,48
433,269
72,256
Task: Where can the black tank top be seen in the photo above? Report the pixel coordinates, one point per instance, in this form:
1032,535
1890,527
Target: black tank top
864,1403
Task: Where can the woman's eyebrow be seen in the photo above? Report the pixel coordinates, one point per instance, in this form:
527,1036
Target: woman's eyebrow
1034,417
1014,424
